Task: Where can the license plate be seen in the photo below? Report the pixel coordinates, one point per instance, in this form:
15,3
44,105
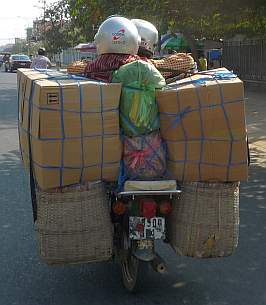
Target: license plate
22,64
143,228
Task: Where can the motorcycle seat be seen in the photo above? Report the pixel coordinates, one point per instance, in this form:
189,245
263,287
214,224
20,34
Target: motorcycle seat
162,185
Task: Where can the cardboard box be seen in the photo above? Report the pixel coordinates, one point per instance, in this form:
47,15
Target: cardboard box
74,129
203,123
25,78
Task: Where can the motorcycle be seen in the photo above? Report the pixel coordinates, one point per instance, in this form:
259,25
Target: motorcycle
139,215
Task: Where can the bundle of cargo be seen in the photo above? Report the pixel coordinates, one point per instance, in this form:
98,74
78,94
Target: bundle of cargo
174,65
73,225
138,106
69,135
78,67
205,220
69,127
144,152
144,156
203,122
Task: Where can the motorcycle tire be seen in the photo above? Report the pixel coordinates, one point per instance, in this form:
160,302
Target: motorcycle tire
134,271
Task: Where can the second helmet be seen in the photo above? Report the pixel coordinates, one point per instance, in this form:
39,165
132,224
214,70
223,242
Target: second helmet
117,35
148,33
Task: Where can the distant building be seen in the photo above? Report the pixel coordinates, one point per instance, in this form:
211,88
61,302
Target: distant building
19,41
29,33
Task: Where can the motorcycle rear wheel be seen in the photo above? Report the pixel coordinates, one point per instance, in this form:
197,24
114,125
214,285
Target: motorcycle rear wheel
133,270
130,272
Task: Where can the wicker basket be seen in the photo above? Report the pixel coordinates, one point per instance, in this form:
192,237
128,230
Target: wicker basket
205,220
77,67
73,225
169,66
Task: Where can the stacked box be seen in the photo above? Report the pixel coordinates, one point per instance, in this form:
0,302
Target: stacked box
203,122
73,125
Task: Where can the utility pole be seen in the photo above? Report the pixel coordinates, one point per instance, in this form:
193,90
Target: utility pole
44,25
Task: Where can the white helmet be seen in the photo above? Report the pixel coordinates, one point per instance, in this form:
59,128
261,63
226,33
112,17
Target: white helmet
117,35
148,33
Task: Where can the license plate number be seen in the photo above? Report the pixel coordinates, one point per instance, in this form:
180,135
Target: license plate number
143,228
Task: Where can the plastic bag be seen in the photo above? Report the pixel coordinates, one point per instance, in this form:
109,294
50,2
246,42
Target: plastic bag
138,106
144,157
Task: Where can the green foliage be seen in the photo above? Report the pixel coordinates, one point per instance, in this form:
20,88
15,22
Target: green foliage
74,21
211,19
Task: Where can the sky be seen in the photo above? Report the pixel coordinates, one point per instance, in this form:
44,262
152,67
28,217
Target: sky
16,16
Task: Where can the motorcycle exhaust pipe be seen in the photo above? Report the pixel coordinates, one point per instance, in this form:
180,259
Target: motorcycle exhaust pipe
158,264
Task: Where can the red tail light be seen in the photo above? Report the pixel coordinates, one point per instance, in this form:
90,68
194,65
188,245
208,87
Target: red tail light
165,207
119,208
148,208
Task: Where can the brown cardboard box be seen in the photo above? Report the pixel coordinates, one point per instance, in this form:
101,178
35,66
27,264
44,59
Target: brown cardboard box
74,128
25,78
204,126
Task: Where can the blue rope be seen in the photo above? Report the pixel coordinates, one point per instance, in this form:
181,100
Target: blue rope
63,133
229,129
53,167
185,136
204,107
74,111
117,162
31,107
122,177
81,131
209,139
201,81
209,163
70,138
178,117
202,131
102,150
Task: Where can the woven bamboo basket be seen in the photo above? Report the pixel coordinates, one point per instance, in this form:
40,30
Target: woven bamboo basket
77,67
73,225
174,64
205,220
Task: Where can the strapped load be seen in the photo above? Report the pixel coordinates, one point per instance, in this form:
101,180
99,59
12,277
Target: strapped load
144,157
203,122
78,67
174,65
138,107
69,128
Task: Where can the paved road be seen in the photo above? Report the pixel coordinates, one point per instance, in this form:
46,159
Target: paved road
24,280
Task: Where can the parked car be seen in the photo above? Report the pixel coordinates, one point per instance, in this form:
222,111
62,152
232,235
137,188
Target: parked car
17,61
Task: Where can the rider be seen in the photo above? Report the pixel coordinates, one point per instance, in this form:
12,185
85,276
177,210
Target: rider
117,43
149,37
41,61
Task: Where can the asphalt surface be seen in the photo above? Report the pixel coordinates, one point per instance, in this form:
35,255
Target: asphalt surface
25,280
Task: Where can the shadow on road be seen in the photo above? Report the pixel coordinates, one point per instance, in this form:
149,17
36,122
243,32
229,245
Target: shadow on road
189,281
29,281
